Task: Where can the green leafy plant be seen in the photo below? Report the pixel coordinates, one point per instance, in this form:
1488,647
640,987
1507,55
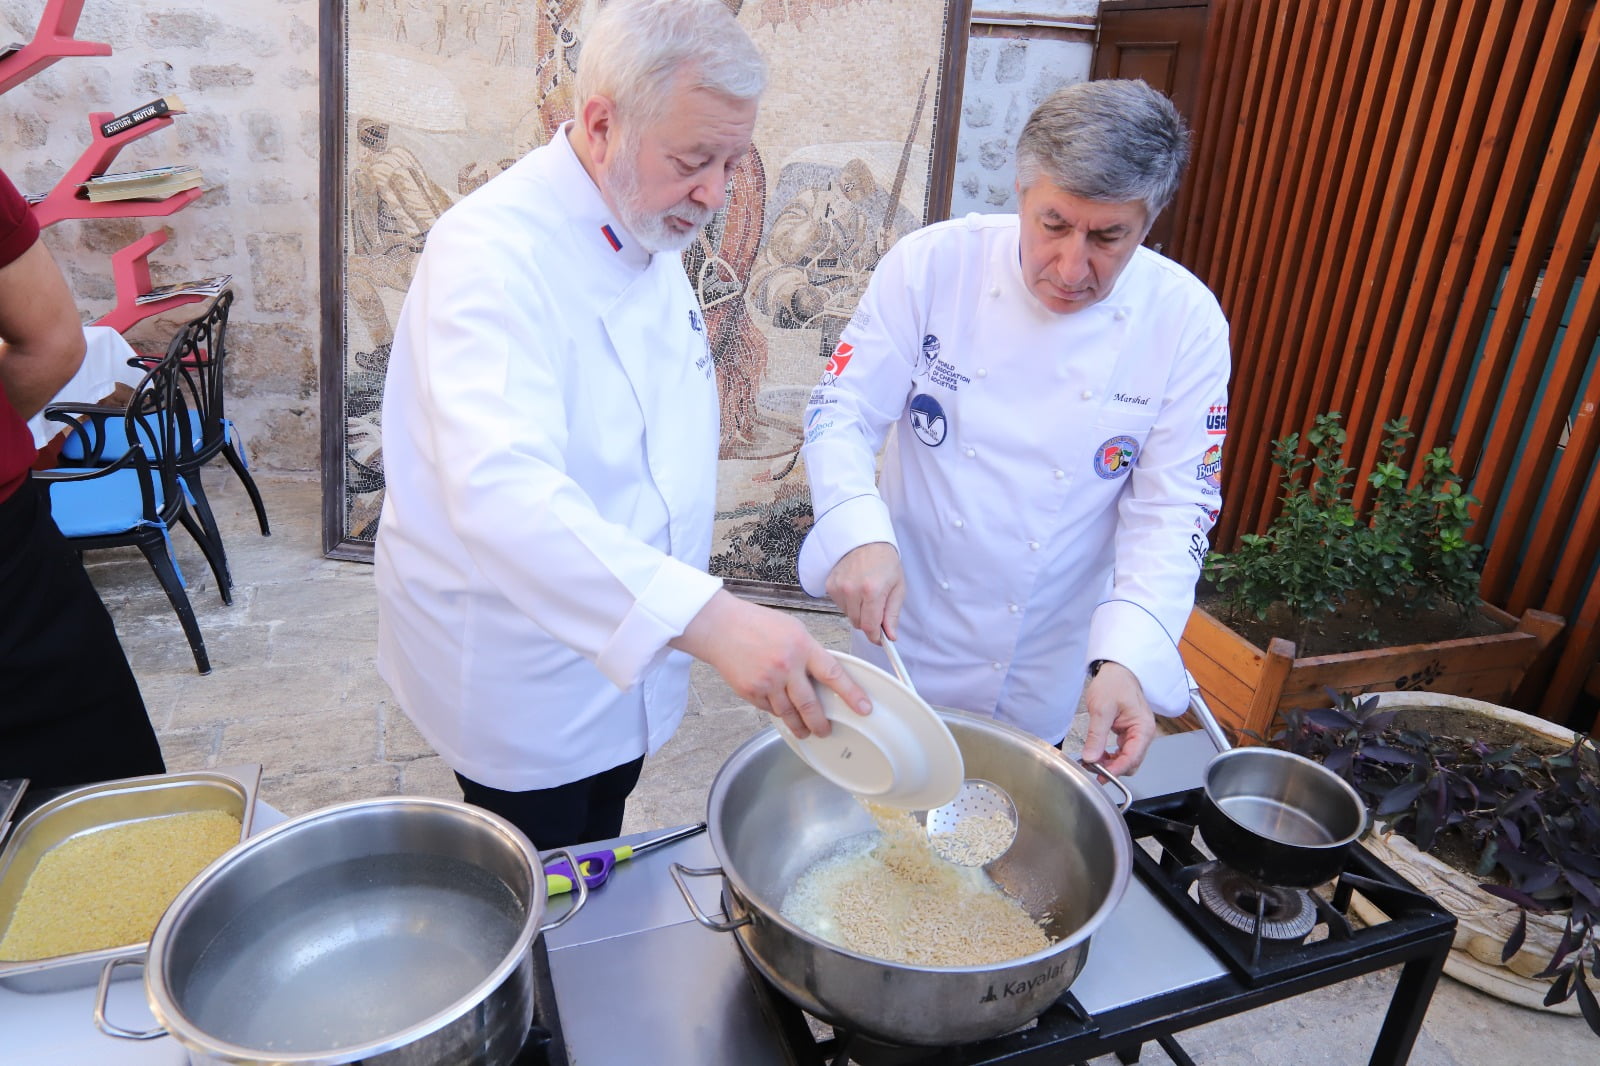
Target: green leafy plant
1409,550
1528,821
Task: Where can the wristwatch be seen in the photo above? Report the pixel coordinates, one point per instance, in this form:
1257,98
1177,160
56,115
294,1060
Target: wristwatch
1094,667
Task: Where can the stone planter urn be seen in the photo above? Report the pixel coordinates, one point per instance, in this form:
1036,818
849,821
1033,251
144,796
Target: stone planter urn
1484,922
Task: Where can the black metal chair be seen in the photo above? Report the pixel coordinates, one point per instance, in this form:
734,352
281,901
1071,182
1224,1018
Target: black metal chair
135,496
202,353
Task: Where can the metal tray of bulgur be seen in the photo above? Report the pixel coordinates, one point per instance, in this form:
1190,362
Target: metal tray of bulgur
84,811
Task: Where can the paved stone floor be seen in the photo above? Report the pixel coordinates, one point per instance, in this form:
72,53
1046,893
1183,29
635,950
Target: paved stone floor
294,689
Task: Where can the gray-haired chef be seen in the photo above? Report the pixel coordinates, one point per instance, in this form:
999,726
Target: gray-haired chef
1058,396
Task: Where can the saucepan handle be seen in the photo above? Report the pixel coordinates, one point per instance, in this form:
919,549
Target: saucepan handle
679,872
1198,704
580,885
104,992
1127,793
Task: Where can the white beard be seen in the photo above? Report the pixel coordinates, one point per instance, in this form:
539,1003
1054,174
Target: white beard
650,229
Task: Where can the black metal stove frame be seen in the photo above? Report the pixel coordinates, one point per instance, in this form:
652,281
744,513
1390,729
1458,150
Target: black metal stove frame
1417,938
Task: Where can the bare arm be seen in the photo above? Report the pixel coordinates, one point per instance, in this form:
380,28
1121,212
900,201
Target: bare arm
41,338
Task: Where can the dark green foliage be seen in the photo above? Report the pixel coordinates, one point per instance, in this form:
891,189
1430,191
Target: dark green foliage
1409,551
1531,820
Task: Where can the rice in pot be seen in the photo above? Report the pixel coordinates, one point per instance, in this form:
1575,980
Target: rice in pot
890,895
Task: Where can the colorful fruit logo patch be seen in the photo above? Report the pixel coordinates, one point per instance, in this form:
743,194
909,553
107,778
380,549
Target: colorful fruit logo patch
1116,457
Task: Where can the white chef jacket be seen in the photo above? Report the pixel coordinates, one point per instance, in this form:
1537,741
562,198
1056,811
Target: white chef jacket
1051,479
550,427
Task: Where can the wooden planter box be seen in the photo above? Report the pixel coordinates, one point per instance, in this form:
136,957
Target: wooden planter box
1245,687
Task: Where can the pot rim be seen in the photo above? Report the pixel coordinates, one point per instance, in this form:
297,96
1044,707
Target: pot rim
1121,843
187,1032
1322,772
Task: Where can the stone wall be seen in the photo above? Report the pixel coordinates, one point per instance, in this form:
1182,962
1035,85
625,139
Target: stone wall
248,76
1006,78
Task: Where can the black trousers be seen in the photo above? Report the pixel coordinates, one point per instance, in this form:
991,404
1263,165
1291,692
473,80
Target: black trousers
70,710
575,813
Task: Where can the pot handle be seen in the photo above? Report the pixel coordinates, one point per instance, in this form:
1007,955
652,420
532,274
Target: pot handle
1208,720
579,884
1127,793
679,872
103,993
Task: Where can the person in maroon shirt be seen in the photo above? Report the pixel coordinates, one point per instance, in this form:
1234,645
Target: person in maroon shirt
70,710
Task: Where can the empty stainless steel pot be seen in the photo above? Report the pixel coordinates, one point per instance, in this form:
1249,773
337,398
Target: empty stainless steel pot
771,817
392,931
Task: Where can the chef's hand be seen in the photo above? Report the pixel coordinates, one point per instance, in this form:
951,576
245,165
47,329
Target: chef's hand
869,586
1116,704
769,659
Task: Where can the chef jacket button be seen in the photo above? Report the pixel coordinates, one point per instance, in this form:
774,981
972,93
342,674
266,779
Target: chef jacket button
1013,608
995,291
959,524
1033,545
983,372
1120,314
945,585
1088,394
1059,474
998,666
971,453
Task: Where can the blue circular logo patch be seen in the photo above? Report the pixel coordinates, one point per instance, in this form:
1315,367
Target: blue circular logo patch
927,420
1116,457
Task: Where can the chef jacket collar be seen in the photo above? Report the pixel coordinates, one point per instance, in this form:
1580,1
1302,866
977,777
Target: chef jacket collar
588,208
1118,299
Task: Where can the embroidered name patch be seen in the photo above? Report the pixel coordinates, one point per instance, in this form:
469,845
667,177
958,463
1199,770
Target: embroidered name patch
1116,457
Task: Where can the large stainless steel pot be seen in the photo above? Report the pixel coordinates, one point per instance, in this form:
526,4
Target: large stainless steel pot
771,817
392,931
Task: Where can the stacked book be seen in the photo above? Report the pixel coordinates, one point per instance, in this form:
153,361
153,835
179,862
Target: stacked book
157,183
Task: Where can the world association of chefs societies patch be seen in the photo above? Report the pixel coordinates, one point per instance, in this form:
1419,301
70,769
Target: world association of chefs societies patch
1116,457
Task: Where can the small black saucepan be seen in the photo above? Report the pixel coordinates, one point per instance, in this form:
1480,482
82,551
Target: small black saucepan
1274,815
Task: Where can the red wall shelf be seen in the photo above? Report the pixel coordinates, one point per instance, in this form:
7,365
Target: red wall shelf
53,40
131,271
67,199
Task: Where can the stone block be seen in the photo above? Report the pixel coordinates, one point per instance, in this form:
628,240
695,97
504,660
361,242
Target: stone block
155,78
30,128
994,153
265,137
254,694
306,791
278,270
272,358
204,136
429,777
210,242
1012,65
399,739
271,191
190,749
177,28
333,738
978,113
209,76
107,236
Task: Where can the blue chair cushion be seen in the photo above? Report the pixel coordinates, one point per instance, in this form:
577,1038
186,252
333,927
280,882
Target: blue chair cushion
117,439
99,506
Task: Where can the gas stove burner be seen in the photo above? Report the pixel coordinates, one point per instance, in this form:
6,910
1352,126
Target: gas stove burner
1288,913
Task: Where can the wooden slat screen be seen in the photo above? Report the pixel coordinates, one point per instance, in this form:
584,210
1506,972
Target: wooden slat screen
1397,205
